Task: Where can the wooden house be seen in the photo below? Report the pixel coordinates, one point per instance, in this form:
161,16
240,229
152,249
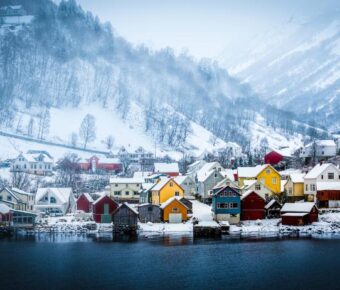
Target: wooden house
174,211
169,169
273,209
149,213
103,208
125,217
328,194
85,202
276,157
165,189
294,187
252,206
17,199
226,205
299,214
187,183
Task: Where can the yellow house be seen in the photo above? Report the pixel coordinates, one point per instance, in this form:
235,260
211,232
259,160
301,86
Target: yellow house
166,188
264,173
174,211
294,187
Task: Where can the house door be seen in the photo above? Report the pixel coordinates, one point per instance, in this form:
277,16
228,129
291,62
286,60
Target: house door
106,217
175,218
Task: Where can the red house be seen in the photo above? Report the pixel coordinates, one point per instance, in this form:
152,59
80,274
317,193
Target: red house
252,206
106,164
84,202
103,208
169,169
299,214
276,156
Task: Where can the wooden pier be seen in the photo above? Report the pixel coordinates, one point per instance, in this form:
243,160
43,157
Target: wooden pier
207,229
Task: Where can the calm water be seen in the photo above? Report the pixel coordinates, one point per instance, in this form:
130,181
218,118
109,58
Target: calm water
78,262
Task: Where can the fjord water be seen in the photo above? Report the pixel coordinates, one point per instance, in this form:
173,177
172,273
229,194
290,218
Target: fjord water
78,262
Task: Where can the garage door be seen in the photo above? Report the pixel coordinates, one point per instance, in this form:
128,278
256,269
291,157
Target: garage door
175,218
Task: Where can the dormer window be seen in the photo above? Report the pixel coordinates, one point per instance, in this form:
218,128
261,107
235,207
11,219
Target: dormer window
53,200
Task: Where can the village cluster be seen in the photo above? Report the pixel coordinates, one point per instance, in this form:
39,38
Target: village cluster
206,195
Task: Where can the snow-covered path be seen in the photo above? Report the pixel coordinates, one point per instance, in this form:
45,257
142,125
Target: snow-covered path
201,211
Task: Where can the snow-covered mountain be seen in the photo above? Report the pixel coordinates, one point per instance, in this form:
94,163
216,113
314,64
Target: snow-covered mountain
65,64
296,66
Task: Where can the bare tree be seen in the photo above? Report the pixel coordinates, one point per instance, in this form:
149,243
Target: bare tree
87,131
109,142
20,180
126,161
30,127
44,123
69,171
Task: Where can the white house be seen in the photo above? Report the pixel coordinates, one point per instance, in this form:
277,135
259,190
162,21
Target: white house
17,199
123,188
320,174
319,148
39,163
55,201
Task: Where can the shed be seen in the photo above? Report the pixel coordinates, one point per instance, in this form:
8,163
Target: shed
174,211
103,208
85,202
125,217
273,208
300,213
252,206
149,213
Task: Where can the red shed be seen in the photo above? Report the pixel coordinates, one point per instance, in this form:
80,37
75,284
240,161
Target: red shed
84,202
252,206
276,156
299,214
106,164
328,194
103,208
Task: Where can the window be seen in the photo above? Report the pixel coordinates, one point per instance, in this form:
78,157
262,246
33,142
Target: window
116,192
176,193
137,185
312,187
126,193
274,180
46,198
321,176
222,205
171,184
9,197
135,193
175,209
322,152
149,208
25,166
257,186
268,171
290,191
0,197
116,185
53,200
306,187
330,175
233,205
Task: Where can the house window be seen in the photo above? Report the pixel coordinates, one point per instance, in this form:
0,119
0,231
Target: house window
322,152
233,205
9,197
126,193
135,193
306,187
25,166
321,176
257,186
268,171
53,200
222,205
175,209
312,187
171,184
176,193
274,180
330,175
290,190
117,193
0,197
116,185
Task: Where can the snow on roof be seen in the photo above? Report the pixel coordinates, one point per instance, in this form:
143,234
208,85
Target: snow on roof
317,170
17,190
328,185
180,179
297,177
208,224
126,180
109,161
250,171
100,198
33,157
249,183
289,171
148,186
4,209
89,197
170,200
11,6
298,207
283,183
207,170
285,152
130,207
295,214
166,167
269,204
161,183
63,193
229,173
142,174
226,182
244,195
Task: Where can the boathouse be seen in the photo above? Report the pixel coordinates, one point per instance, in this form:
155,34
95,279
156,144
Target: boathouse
174,211
125,217
299,214
149,213
85,202
103,208
252,206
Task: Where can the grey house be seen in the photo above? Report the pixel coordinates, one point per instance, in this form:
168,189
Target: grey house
125,217
149,213
207,182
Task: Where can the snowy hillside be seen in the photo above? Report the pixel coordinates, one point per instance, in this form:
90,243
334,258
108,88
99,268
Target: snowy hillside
302,62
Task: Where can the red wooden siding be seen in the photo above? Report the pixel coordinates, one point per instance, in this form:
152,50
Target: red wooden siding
84,204
273,158
252,207
98,208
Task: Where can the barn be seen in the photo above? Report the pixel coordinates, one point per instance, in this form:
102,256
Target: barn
85,202
252,206
103,208
299,214
149,213
125,217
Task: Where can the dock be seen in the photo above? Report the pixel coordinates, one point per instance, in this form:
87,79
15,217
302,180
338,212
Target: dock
207,229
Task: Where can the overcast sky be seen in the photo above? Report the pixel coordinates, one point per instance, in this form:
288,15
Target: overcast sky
204,28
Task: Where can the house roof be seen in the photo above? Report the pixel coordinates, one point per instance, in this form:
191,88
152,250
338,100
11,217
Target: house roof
317,170
88,197
248,192
229,173
328,185
271,203
284,152
106,160
102,197
282,185
180,179
33,157
206,171
299,214
4,209
297,177
226,181
322,143
224,187
251,171
17,190
166,167
131,180
128,206
163,182
298,207
142,174
170,200
62,193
